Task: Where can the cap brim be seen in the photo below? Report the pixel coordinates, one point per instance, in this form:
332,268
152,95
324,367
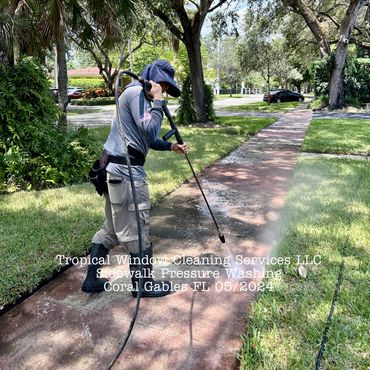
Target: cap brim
173,90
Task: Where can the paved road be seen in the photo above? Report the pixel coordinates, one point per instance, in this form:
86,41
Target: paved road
341,115
104,114
104,118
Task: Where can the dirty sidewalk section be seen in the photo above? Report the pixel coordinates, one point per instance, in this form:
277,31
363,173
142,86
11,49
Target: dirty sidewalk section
197,327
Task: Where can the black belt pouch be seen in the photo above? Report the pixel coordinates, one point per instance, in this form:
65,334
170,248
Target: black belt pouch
98,173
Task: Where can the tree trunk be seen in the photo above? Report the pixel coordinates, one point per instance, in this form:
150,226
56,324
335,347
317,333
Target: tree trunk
62,78
336,85
109,81
16,50
192,43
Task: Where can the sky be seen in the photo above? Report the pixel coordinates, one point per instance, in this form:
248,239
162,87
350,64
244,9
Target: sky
206,30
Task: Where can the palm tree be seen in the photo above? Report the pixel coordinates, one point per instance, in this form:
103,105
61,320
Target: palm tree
48,22
14,30
62,15
52,25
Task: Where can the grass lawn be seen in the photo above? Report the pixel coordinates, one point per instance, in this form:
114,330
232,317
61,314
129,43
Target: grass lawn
83,111
264,107
37,226
327,213
227,96
347,136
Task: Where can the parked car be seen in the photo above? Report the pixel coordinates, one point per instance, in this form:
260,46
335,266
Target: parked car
282,95
73,93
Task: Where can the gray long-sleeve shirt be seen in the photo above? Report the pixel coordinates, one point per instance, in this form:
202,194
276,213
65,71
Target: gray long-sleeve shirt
141,123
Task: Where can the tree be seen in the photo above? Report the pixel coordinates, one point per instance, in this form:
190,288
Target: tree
51,21
96,34
345,27
46,19
111,56
52,24
225,60
18,33
266,54
185,21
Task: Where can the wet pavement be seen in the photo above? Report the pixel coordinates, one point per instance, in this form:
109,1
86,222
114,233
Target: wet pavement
197,327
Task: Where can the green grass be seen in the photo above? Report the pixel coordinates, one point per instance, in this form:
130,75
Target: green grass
264,107
227,96
340,136
37,226
327,214
83,111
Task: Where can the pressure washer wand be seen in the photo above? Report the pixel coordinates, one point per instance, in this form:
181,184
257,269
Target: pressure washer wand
175,131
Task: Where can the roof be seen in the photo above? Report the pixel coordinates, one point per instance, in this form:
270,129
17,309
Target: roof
88,71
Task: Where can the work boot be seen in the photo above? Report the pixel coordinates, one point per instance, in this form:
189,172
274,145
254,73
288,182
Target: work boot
92,283
150,288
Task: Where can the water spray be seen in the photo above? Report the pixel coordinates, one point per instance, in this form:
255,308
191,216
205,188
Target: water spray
175,132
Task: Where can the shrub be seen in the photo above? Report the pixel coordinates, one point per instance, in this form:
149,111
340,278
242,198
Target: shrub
34,152
87,83
356,79
209,97
83,83
319,103
320,72
186,113
96,93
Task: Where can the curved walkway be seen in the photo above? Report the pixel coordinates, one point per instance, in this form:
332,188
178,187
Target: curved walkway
199,326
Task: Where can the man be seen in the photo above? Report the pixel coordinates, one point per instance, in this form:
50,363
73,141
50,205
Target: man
141,121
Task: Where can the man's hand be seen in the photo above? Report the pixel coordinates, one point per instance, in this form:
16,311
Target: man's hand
156,90
180,148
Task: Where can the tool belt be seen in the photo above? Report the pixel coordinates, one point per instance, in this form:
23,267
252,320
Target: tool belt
136,158
98,172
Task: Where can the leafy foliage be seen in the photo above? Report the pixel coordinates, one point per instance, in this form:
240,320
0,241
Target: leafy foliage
320,74
86,83
96,93
208,92
356,79
186,113
34,152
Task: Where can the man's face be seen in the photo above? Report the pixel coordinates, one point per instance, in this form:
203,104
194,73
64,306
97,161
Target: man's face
164,86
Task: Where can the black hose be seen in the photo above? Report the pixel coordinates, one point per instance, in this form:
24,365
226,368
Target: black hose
125,152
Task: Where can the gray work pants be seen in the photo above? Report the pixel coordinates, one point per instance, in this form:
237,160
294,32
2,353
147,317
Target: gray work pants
120,225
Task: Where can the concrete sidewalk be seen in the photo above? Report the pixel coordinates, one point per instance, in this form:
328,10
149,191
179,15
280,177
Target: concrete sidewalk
59,327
